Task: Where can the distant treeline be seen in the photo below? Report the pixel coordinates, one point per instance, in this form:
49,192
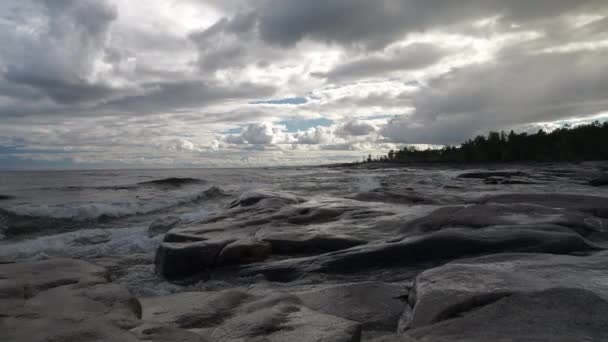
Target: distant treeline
580,143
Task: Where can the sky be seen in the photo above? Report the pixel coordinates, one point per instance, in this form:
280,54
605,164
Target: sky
237,83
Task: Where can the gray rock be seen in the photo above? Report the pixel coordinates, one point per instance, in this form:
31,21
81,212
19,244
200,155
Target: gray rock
454,289
438,247
234,315
165,333
244,252
192,309
557,314
307,243
25,279
185,259
376,305
493,214
64,300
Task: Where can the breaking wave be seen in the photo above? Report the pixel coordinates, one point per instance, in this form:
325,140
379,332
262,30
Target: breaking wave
27,219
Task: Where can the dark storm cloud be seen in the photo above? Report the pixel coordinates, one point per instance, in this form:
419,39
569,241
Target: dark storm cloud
62,91
377,23
168,96
414,56
518,88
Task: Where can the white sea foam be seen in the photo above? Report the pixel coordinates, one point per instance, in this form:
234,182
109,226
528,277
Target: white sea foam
91,211
122,241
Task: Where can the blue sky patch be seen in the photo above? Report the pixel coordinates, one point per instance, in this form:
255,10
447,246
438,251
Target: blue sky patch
286,101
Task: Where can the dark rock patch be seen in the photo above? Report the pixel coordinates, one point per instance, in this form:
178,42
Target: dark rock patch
174,260
487,174
601,181
306,243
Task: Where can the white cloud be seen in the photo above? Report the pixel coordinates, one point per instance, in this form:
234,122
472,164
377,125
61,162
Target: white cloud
160,82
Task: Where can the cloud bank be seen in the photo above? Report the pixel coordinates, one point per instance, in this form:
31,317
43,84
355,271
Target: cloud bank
237,83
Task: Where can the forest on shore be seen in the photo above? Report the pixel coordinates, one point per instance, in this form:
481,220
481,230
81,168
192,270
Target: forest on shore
580,143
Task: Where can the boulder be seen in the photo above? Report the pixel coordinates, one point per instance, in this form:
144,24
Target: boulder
174,260
244,252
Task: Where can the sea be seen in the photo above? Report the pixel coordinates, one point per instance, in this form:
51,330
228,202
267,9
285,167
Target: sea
54,213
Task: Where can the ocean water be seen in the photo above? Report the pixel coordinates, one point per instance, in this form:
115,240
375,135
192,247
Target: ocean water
47,213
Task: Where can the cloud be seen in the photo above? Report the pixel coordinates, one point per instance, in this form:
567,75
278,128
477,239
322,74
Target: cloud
116,82
355,128
378,23
413,56
63,58
517,88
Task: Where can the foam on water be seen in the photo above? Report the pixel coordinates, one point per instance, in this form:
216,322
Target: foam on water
122,241
93,211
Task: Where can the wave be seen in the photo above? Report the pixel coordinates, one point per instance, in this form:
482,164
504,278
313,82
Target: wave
22,220
6,197
173,181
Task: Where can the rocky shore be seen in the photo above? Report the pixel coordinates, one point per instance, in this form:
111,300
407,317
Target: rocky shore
521,259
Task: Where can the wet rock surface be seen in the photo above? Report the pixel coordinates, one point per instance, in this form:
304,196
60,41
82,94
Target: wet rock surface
342,255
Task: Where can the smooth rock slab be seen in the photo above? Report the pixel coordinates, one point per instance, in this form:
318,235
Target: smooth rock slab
437,247
25,279
447,291
64,300
235,315
556,315
376,305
